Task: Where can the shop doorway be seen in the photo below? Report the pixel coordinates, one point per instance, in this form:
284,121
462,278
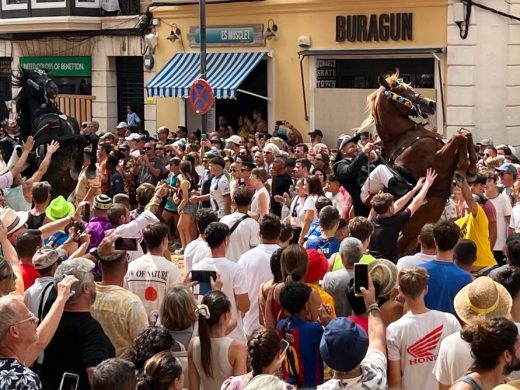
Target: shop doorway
130,86
244,104
6,93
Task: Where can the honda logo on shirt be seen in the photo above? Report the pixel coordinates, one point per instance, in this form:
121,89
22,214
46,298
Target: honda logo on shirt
423,349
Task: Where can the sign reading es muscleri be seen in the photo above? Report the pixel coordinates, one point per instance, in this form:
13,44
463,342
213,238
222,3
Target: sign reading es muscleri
60,66
234,35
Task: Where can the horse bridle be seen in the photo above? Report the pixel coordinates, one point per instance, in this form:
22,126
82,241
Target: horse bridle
414,107
37,86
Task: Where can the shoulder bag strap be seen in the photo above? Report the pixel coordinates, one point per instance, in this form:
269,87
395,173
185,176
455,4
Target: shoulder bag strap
42,300
235,225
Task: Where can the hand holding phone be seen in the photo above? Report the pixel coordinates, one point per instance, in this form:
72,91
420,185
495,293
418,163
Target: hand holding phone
204,279
126,244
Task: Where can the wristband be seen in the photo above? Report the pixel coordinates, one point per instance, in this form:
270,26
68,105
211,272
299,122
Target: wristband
373,307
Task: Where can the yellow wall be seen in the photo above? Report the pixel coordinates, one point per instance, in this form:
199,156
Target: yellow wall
315,18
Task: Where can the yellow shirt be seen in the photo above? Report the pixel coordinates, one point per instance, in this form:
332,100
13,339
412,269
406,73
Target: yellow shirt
121,314
326,298
476,229
367,258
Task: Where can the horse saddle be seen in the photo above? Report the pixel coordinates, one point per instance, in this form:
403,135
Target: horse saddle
52,126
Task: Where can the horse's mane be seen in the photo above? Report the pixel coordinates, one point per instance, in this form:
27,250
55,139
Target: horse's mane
371,105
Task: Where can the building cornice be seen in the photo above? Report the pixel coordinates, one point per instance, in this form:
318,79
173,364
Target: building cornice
277,7
66,23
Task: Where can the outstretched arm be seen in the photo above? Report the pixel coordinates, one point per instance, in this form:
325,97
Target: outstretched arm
466,194
418,201
27,147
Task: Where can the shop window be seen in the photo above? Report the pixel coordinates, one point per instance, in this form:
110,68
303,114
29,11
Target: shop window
87,3
9,5
42,4
363,73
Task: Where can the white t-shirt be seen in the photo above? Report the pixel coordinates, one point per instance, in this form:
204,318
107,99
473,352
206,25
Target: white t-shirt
413,261
257,270
245,236
515,219
219,189
338,200
194,252
149,277
503,209
255,203
233,283
454,359
296,211
373,377
414,339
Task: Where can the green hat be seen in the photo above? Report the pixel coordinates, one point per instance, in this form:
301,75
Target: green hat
59,208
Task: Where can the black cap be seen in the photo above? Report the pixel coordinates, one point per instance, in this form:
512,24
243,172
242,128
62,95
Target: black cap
317,132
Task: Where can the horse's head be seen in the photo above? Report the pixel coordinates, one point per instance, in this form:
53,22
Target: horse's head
37,84
408,101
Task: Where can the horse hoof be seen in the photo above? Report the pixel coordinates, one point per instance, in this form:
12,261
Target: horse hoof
74,174
459,177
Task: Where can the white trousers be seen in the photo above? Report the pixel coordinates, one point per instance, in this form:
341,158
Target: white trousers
376,181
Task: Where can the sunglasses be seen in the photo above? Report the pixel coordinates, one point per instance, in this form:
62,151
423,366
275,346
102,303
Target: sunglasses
318,159
232,170
147,148
159,148
267,152
245,170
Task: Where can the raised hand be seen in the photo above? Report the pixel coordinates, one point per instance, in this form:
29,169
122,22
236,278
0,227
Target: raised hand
28,144
431,175
65,287
53,147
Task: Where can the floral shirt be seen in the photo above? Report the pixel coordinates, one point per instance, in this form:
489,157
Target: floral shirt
15,376
373,377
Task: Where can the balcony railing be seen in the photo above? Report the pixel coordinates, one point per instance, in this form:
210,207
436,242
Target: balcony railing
129,7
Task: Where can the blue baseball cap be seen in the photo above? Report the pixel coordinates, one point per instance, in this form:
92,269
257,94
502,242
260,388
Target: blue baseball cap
342,335
507,168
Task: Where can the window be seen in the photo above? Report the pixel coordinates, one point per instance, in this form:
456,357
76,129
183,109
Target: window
87,4
10,5
42,4
363,73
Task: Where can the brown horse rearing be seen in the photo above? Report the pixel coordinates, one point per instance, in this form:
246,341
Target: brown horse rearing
412,148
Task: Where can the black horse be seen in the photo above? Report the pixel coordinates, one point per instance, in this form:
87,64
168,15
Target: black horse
39,116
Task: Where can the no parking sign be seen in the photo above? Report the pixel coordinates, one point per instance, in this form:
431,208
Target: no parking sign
201,96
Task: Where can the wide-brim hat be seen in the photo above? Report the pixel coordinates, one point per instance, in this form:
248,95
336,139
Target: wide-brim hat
13,220
385,273
482,298
59,208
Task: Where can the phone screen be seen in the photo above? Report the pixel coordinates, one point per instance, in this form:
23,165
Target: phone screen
126,244
360,277
204,279
69,381
204,136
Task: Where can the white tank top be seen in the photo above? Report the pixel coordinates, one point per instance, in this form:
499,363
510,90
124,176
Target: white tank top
222,369
255,203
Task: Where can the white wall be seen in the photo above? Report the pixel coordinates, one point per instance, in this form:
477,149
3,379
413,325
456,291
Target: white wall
483,92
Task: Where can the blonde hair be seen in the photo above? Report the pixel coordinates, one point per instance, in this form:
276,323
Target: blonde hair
178,308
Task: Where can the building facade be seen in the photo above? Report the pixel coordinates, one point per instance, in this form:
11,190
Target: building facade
94,54
484,71
317,69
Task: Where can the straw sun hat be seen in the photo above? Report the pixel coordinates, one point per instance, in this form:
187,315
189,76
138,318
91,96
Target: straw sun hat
384,272
482,297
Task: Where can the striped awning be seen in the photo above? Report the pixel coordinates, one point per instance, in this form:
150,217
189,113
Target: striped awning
225,73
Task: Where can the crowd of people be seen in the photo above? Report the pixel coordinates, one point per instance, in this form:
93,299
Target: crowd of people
226,261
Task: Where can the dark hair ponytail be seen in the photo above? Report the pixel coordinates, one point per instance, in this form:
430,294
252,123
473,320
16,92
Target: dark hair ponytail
263,346
218,304
160,371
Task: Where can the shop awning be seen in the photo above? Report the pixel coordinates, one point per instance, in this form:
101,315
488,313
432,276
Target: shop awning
225,73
